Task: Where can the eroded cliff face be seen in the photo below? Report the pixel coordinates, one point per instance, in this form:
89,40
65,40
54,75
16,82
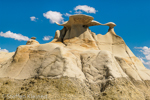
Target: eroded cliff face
96,67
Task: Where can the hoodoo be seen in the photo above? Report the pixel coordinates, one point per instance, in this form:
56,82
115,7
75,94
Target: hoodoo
76,64
32,41
111,27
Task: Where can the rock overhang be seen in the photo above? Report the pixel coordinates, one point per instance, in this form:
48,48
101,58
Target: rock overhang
85,21
80,19
110,24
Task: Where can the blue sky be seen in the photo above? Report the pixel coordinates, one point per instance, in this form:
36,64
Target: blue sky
35,18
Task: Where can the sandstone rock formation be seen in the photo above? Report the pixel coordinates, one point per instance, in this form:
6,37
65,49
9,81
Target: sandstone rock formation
77,64
32,41
4,56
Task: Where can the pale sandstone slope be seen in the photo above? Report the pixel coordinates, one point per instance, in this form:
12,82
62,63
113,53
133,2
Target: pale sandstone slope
4,56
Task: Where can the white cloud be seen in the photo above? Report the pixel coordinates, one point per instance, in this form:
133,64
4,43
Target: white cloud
78,12
85,8
147,62
146,51
46,38
54,16
67,14
33,18
15,36
70,11
141,59
3,50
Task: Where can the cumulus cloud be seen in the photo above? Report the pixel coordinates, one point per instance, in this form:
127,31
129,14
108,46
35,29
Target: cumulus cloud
141,58
146,52
67,14
33,18
46,38
54,16
3,50
78,12
85,8
15,36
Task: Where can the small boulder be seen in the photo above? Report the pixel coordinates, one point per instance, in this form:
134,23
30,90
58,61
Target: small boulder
32,41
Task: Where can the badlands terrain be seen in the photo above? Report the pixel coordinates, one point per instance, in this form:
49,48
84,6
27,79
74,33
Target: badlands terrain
76,65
